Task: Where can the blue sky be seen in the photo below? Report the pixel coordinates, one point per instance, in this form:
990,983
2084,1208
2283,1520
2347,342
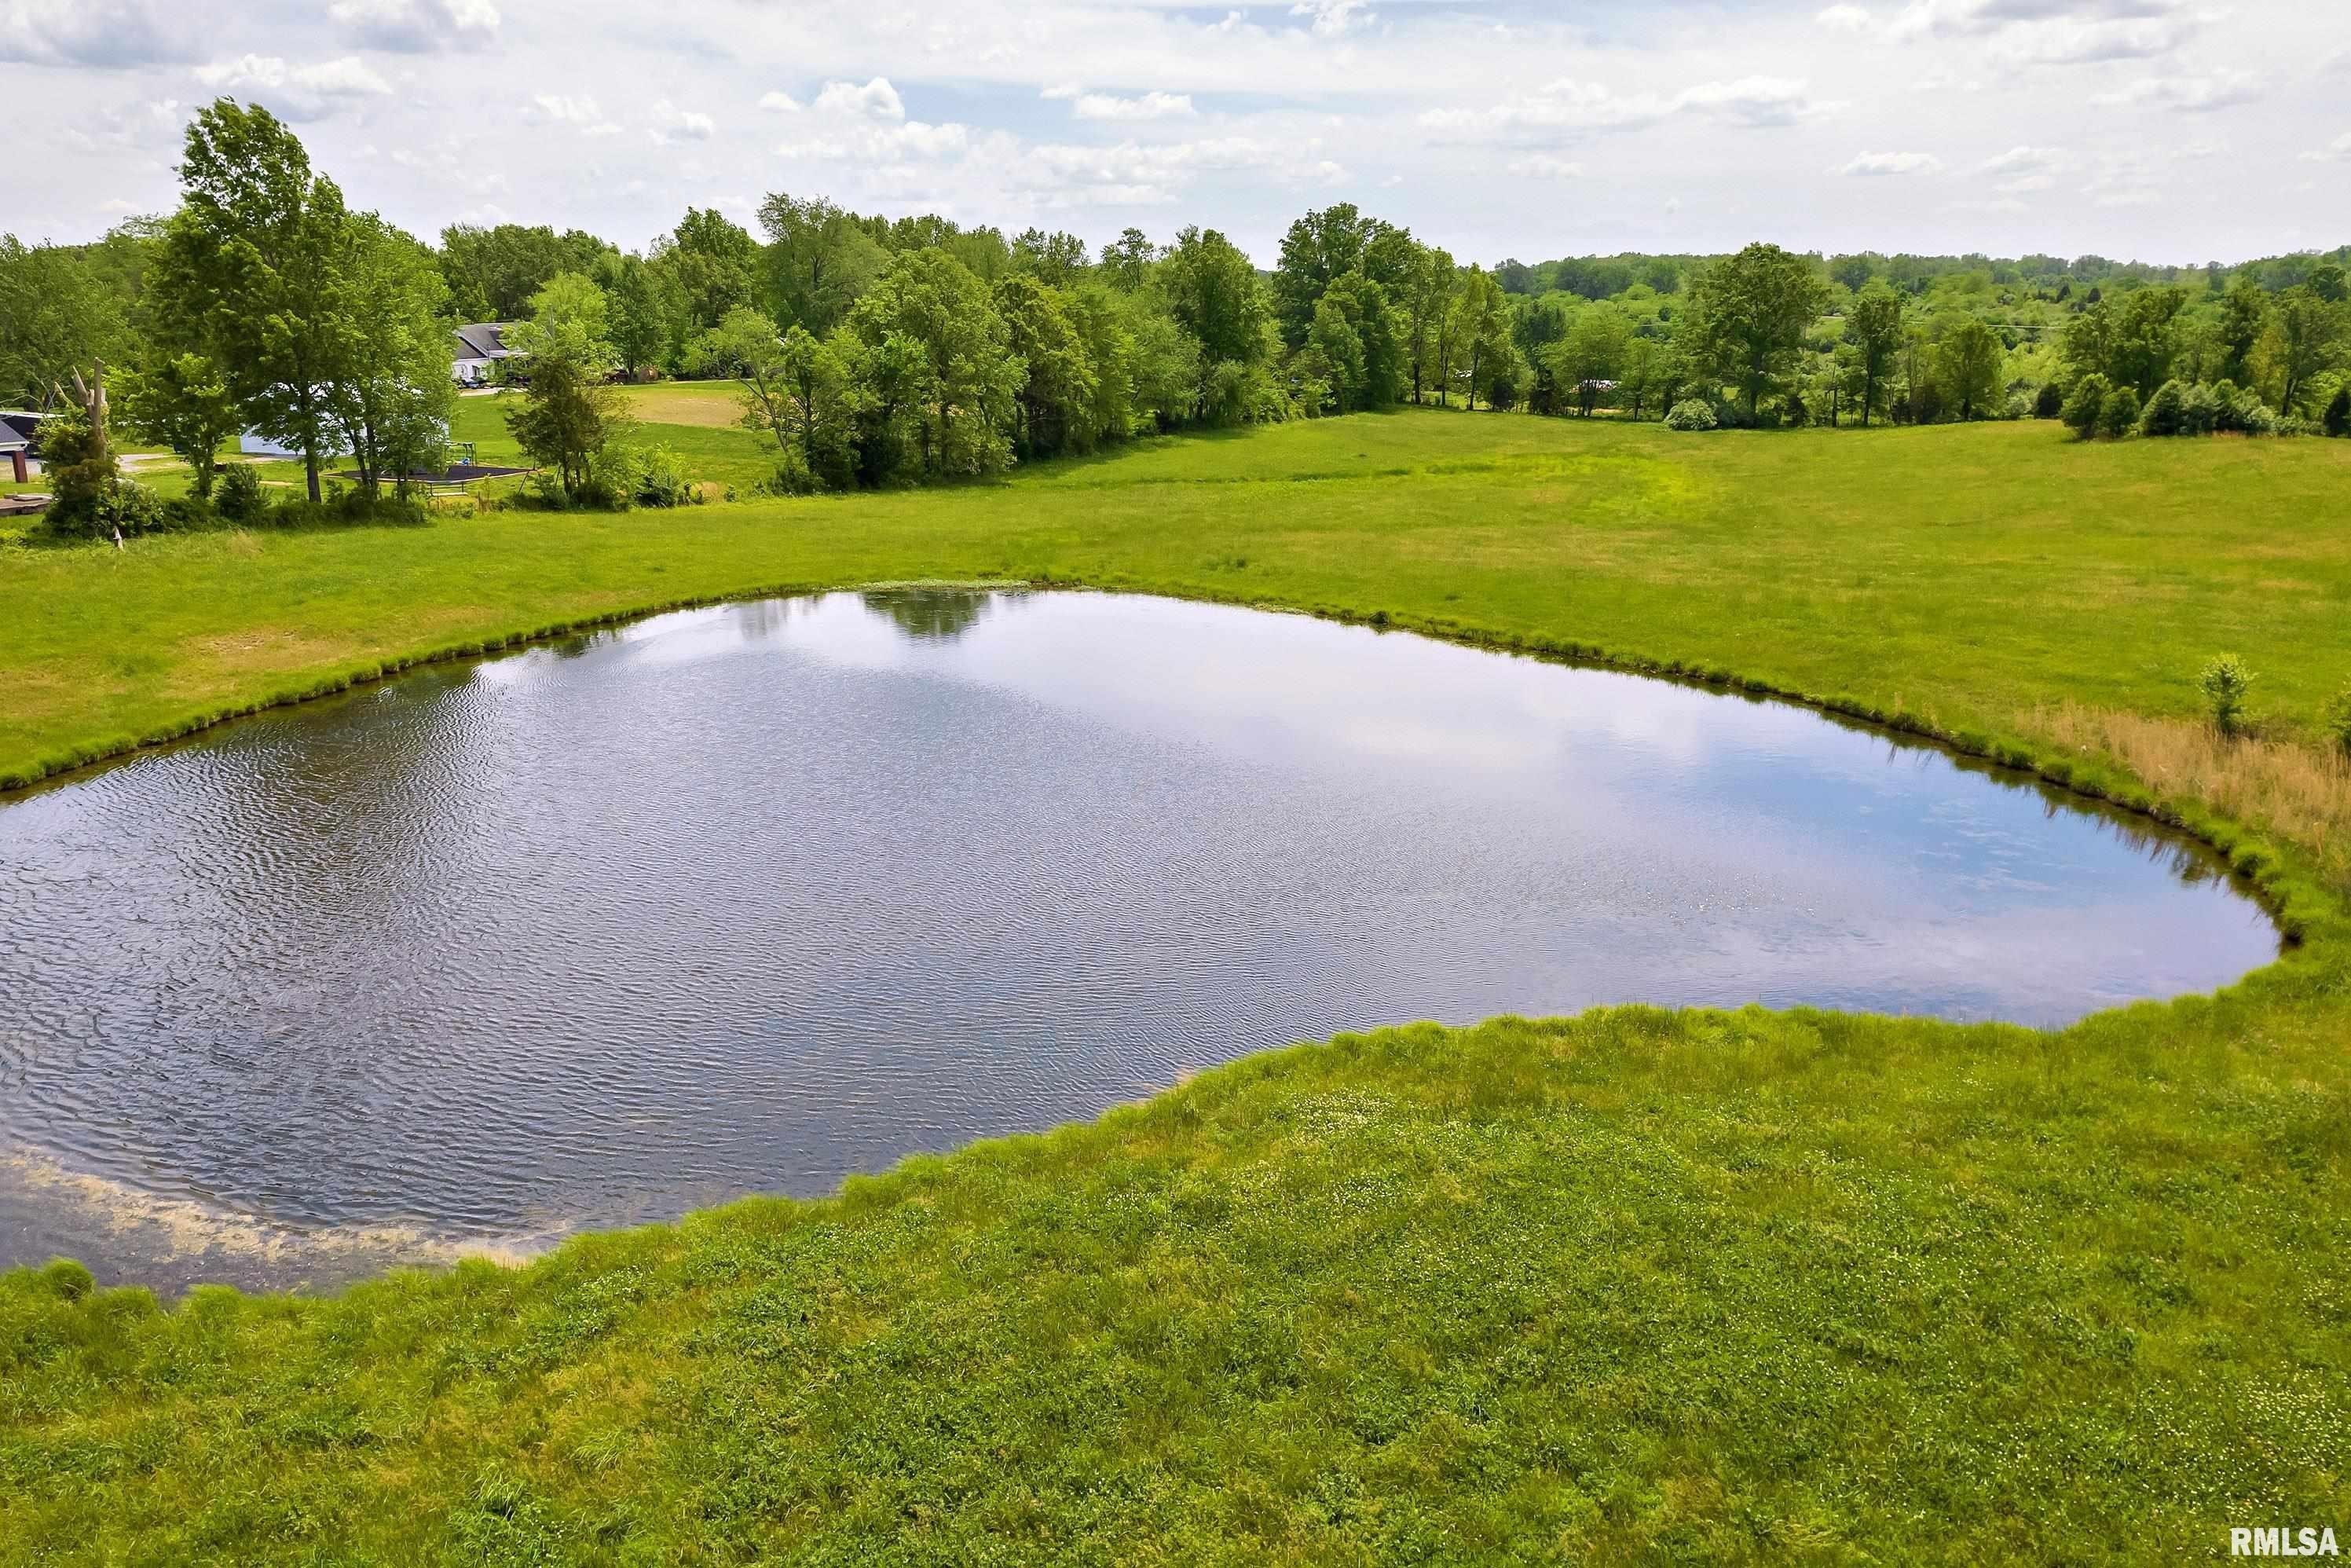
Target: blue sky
2169,129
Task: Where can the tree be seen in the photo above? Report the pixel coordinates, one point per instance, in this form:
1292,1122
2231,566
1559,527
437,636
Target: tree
58,313
967,376
795,391
392,398
644,310
1968,365
1592,352
2244,318
573,308
2086,402
1481,328
1215,296
570,412
1054,259
716,263
181,402
2306,338
1126,260
1749,314
492,273
1319,249
1429,295
1356,331
818,260
1874,331
253,271
2131,339
1055,400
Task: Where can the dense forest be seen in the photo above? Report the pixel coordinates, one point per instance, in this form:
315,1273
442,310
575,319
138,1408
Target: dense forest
878,351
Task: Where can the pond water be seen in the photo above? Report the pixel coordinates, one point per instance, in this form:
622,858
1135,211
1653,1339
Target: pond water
747,899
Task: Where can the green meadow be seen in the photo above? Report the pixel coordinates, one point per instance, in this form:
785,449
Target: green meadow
1640,1285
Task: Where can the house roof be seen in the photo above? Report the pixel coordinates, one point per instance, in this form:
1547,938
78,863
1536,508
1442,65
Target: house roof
16,429
483,340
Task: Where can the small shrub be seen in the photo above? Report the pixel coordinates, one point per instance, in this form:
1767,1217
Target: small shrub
236,495
2224,683
2335,719
2336,420
2166,412
2049,401
656,480
1690,414
2083,407
2020,407
2119,415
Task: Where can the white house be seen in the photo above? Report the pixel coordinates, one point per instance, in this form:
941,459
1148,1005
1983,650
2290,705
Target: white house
478,347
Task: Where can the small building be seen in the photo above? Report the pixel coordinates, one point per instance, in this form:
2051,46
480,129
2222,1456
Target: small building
17,430
479,348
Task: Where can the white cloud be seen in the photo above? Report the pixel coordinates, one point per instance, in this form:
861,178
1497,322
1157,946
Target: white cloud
877,99
1891,164
2337,149
419,26
299,92
1570,105
1844,19
568,108
2020,160
103,34
1150,105
1543,166
780,103
1329,18
2055,32
1756,100
2193,95
672,124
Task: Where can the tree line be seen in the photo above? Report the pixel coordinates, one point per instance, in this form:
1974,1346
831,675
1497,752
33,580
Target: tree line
874,351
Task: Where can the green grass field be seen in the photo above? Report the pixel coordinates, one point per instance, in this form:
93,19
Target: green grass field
1636,1286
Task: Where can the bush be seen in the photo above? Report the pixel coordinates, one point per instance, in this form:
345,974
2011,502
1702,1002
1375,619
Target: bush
2336,420
2166,412
236,495
2020,407
656,480
2119,416
2224,683
2082,407
1690,414
2198,412
2336,720
2049,401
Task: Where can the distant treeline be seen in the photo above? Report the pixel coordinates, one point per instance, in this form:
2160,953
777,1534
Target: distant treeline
879,350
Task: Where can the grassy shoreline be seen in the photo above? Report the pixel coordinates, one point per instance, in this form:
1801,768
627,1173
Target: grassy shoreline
1640,1285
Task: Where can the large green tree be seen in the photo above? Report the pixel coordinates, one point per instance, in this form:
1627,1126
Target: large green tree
1054,403
181,402
818,260
1748,315
1873,330
393,397
1969,364
968,376
714,262
254,269
59,312
1320,249
492,273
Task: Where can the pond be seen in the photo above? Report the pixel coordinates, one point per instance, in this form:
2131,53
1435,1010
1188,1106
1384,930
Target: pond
750,898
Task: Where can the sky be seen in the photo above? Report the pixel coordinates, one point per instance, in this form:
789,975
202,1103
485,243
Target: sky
2167,131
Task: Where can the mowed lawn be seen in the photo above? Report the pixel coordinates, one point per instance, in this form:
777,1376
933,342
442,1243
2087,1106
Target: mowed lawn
1638,1286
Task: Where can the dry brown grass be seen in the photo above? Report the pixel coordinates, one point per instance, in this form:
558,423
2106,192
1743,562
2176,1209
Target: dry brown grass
2292,789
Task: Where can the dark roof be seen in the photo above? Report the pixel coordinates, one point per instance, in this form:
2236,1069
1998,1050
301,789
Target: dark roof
16,429
483,340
